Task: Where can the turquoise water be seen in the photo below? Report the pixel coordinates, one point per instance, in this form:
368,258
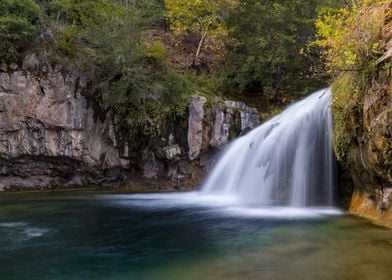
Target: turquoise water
113,237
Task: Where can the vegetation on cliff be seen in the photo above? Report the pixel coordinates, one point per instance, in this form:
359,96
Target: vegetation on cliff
19,26
352,40
148,56
269,53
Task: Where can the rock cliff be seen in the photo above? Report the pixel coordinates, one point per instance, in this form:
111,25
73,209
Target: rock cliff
369,154
51,135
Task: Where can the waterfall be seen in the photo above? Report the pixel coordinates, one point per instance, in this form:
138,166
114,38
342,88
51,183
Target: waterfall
288,160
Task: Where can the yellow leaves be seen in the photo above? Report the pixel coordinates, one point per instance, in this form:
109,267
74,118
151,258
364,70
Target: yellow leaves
350,34
200,16
350,57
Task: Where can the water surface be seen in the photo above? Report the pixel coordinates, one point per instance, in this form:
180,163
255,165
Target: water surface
183,236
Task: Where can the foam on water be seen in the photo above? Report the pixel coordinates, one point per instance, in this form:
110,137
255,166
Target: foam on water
281,169
12,224
216,205
21,231
35,232
287,161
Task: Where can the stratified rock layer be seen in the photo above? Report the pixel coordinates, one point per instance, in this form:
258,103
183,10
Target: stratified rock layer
50,135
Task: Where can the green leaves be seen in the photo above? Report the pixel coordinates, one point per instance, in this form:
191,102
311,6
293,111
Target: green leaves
203,17
104,38
269,51
349,35
350,39
19,25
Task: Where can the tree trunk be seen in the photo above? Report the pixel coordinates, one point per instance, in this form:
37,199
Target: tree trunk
196,61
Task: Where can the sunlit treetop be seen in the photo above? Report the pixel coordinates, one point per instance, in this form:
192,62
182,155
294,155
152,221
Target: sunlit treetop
350,35
205,17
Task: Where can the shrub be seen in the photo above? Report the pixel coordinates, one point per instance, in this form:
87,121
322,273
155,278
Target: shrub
157,51
19,26
350,35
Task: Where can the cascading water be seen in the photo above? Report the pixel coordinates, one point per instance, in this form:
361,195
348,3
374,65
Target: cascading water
286,161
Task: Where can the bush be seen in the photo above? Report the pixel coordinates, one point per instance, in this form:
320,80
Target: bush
19,26
157,51
269,54
350,35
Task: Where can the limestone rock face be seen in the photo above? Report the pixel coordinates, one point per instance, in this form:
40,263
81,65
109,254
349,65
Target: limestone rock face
185,150
195,122
214,126
45,121
53,135
369,157
231,120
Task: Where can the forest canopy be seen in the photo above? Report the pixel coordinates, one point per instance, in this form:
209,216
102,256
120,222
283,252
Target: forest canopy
147,55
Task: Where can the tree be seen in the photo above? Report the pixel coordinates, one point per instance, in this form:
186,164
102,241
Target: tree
106,37
350,38
204,17
269,51
350,35
19,25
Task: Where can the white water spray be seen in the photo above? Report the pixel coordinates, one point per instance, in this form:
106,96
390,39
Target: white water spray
286,161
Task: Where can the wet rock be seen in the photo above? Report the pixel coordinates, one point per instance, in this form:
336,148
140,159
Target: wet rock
185,168
250,117
221,128
52,135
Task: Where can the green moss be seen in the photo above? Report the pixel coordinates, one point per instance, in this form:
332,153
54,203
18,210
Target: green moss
345,102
